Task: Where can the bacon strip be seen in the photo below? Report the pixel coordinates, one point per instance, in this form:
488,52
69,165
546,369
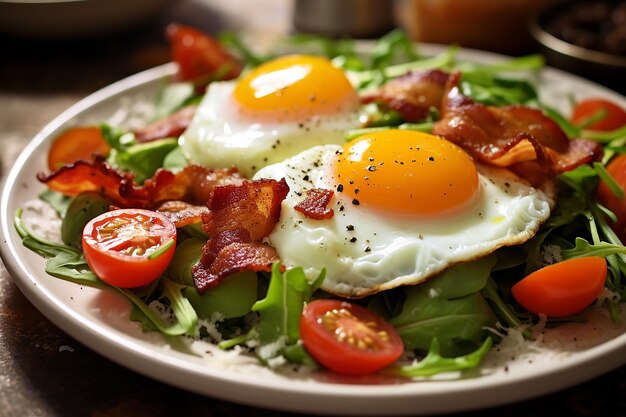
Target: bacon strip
181,213
171,126
413,94
315,204
239,218
194,184
520,138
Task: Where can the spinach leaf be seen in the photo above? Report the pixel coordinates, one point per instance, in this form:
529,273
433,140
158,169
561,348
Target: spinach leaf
448,307
142,159
81,210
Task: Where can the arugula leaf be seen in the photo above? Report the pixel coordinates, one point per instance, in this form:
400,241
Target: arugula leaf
231,40
171,98
433,363
584,248
494,91
62,261
186,317
69,264
57,201
280,310
388,46
448,307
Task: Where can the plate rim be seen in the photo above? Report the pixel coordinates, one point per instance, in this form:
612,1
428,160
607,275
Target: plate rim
142,359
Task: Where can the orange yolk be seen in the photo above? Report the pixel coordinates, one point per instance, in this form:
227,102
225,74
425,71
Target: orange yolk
406,173
294,87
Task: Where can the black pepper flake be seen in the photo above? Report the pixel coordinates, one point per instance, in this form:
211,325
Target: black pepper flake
352,240
368,249
355,202
356,191
371,168
340,188
431,158
349,228
305,178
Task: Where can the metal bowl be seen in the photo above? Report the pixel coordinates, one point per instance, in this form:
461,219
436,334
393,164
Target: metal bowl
606,68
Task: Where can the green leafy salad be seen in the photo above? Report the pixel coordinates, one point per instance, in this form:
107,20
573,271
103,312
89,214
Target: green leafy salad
410,266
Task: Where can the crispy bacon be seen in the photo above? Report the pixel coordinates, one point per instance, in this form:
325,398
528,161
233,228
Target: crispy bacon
413,94
239,218
181,213
194,184
315,204
520,138
171,126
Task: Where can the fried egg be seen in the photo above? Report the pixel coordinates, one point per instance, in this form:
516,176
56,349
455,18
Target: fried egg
275,111
406,206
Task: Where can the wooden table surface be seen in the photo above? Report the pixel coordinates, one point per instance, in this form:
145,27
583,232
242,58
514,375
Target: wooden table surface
43,371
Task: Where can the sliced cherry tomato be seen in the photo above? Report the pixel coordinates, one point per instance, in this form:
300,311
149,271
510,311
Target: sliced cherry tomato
75,144
606,197
347,338
199,56
129,248
614,116
562,289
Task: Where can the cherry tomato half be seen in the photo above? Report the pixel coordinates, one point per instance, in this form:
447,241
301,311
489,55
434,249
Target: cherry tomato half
617,169
75,144
585,109
562,289
347,338
198,55
129,248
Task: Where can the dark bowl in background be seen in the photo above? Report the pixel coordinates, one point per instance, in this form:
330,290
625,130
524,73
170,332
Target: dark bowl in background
606,68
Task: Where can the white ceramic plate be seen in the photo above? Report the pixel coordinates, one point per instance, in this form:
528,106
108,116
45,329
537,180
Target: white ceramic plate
99,318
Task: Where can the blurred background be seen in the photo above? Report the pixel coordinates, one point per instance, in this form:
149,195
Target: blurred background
81,45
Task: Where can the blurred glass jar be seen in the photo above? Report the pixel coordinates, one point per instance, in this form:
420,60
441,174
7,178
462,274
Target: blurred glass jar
495,25
344,18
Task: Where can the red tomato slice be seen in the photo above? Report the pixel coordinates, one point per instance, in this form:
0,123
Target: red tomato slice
615,116
129,248
347,338
617,169
199,56
562,289
77,143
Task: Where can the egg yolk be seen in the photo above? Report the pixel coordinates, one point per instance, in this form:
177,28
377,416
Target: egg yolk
406,173
294,87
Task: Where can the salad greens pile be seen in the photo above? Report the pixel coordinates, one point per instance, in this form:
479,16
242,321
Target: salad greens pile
444,321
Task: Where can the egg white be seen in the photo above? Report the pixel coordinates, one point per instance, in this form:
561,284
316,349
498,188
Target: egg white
366,252
218,137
